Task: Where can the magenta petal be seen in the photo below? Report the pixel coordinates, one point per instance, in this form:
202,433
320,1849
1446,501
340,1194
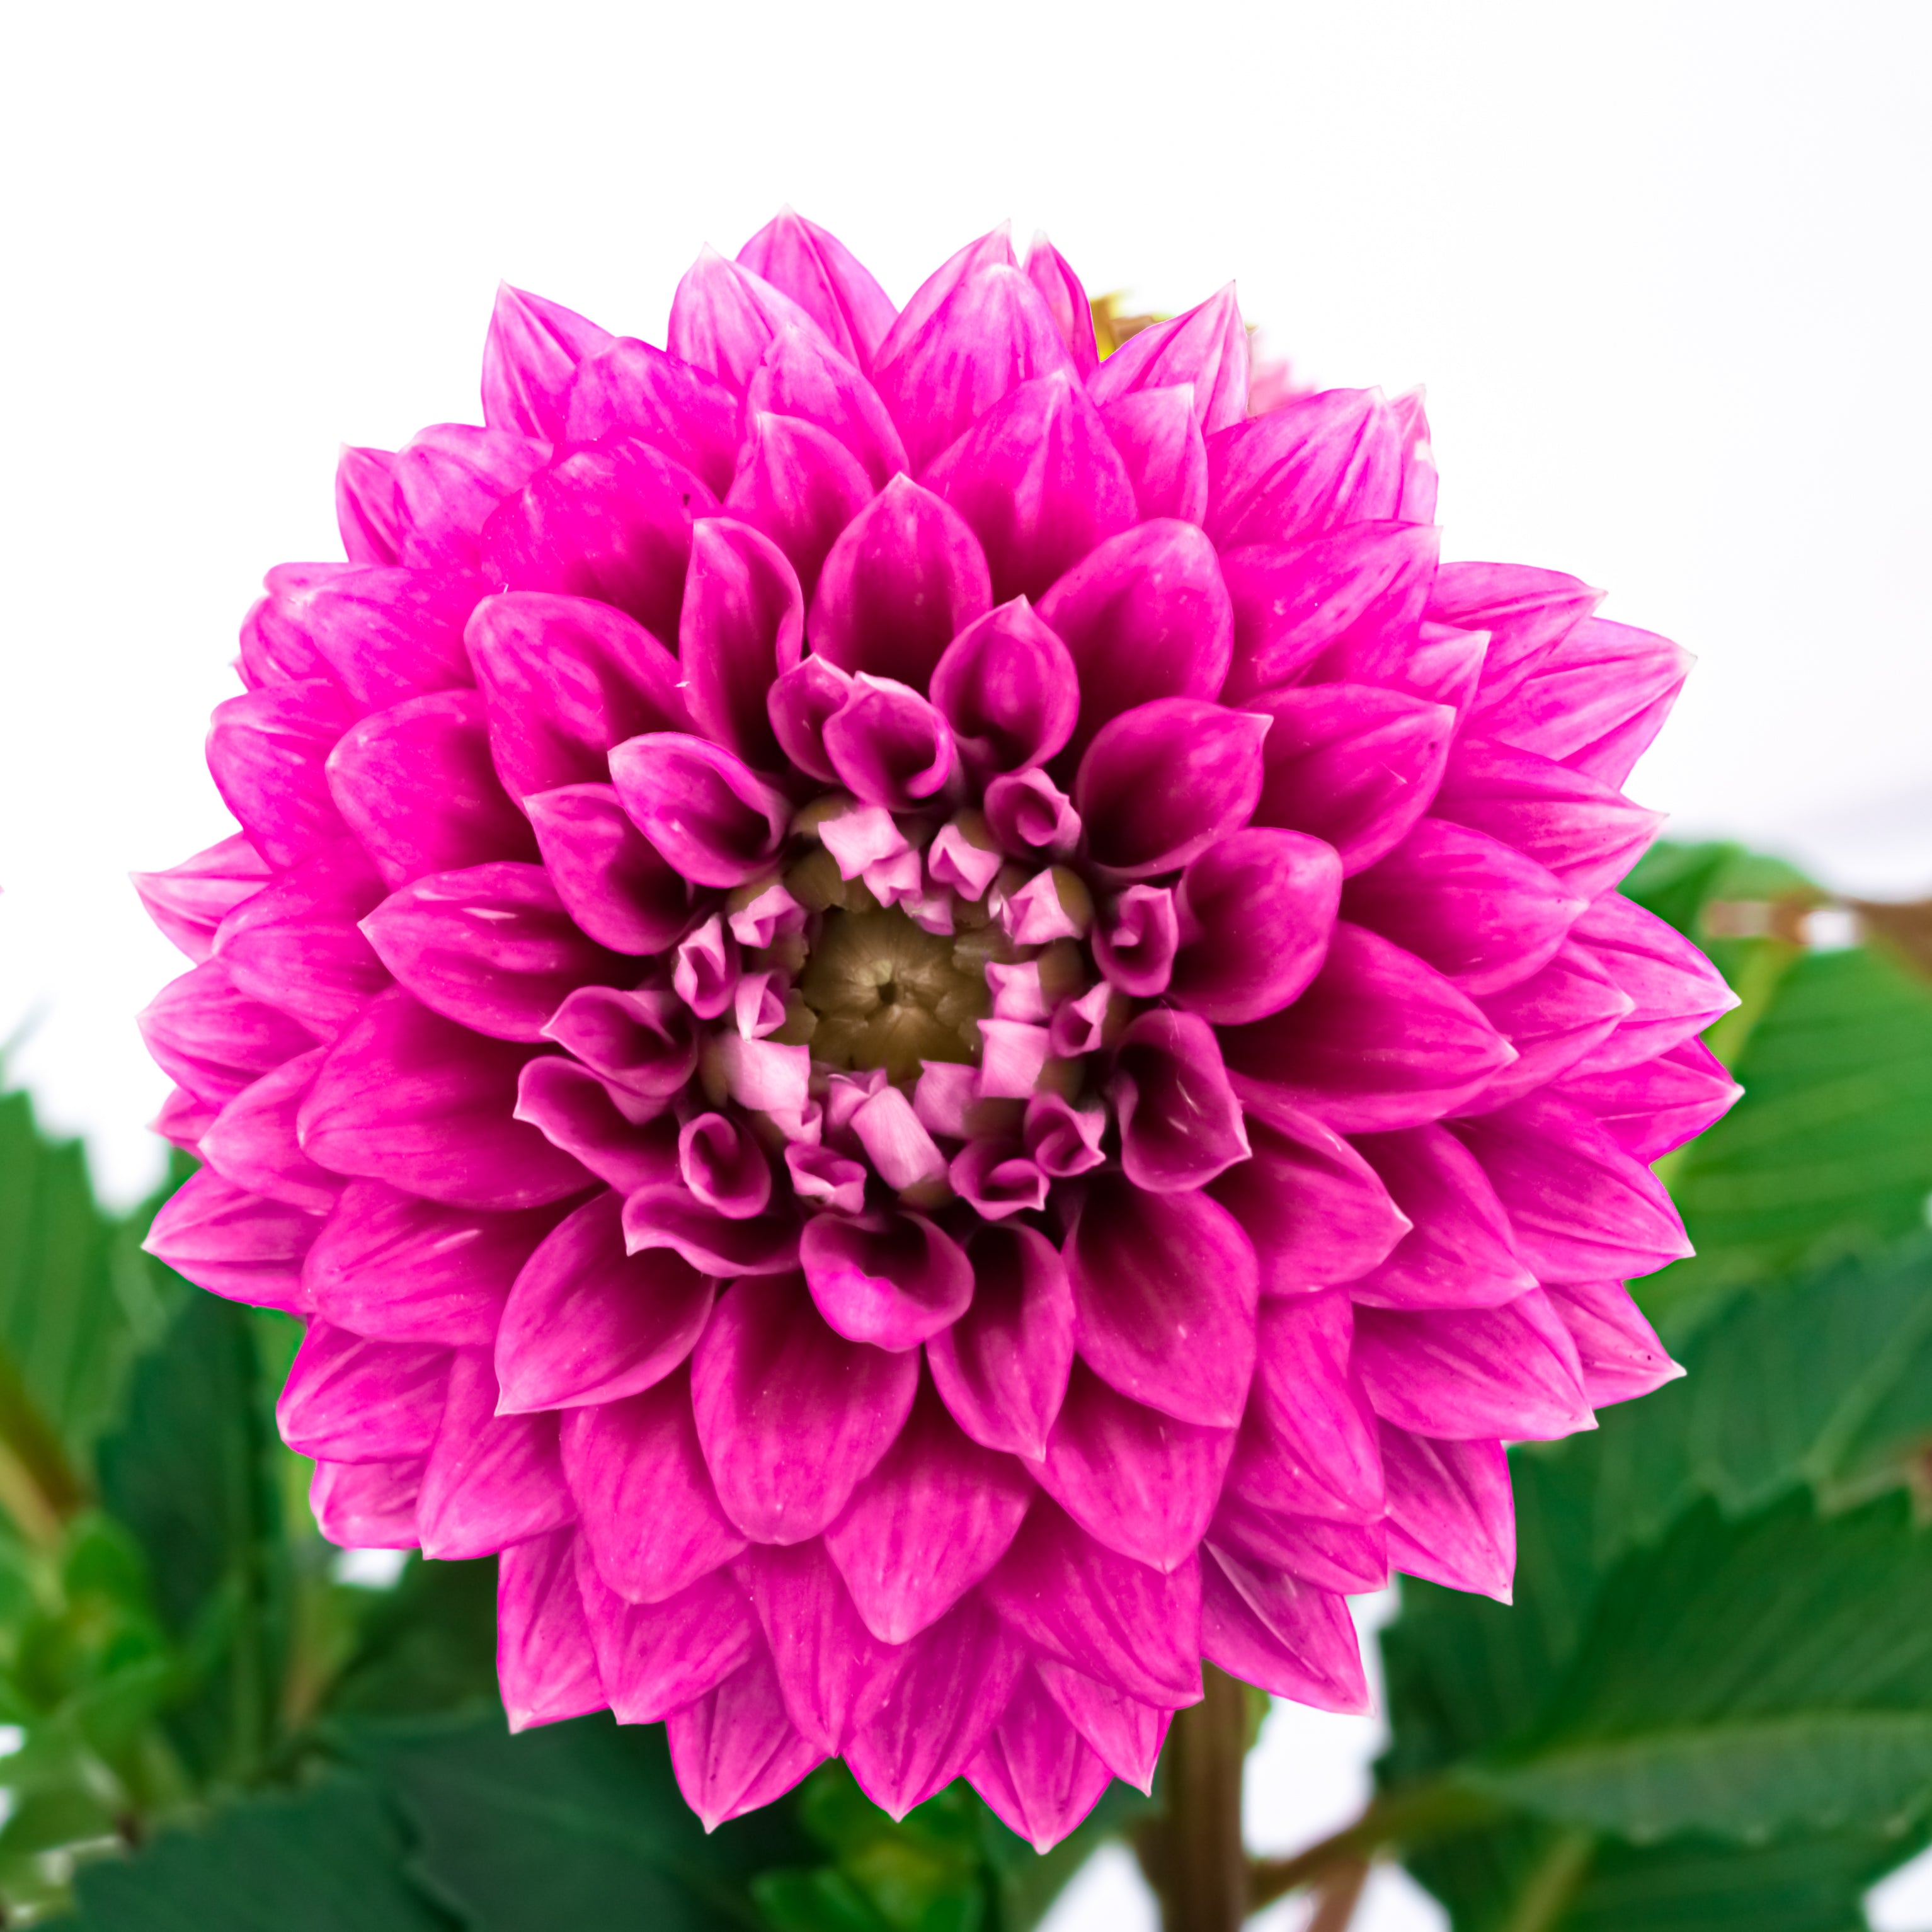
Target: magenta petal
190,901
1677,991
297,944
1347,1557
1164,1286
927,1524
1482,914
234,1243
529,359
208,1035
613,880
893,1280
655,1658
996,246
723,318
710,816
1123,1622
833,1674
743,621
545,1662
1308,1444
669,1215
989,334
888,745
409,1097
956,1678
588,1323
905,577
826,279
650,1514
1001,1368
1158,434
1126,1733
1180,1124
1527,612
1652,1109
800,704
800,486
350,1400
799,377
1031,817
1312,465
252,1141
1060,289
734,1749
1353,596
1256,912
1621,1356
1449,1512
1206,347
723,1166
492,1480
417,786
563,679
450,478
1134,1480
368,514
388,1264
1379,1040
266,753
1469,1373
1584,831
1009,688
611,521
1136,940
1582,1209
631,390
1315,1211
276,646
792,1416
1281,1635
1553,1019
366,1505
598,1124
1162,782
1039,482
1460,1252
995,1178
1036,1773
1351,764
1145,615
644,1042
491,946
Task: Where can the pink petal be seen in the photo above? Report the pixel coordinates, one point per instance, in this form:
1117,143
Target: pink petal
743,620
1315,463
1281,1635
1460,1252
206,1035
1126,1733
650,1515
1255,911
820,1176
1001,1368
994,247
929,1521
1349,1558
450,478
1449,1512
723,318
1123,1622
545,1662
632,390
1206,347
891,1280
350,1400
600,1125
409,1097
734,1749
366,1505
1009,688
792,1416
234,1243
1378,1041
1145,615
1677,991
888,745
611,520
1553,1019
368,514
1621,1356
800,704
1134,1480
416,786
265,752
529,359
1158,434
388,1264
1180,1124
1059,288
823,276
656,1658
1651,1110
710,816
1137,939
1039,482
1164,1286
276,646
252,1141
1352,765
643,1042
668,1215
799,377
1315,1211
996,1179
612,880
563,679
190,901
1029,817
801,487
588,1323
1527,613
723,1166
1165,780
1036,1771
492,1479
1469,1373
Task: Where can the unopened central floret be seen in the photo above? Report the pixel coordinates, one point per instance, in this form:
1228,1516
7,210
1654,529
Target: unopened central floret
889,994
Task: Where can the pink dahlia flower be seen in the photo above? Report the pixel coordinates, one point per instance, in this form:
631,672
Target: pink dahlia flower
929,1021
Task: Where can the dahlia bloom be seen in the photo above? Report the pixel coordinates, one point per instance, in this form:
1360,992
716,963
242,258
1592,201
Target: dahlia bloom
929,1021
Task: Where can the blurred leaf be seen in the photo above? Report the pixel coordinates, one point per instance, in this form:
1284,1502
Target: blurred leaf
329,1859
429,1645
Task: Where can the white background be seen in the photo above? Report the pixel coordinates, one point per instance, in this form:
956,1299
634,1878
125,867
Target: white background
1663,267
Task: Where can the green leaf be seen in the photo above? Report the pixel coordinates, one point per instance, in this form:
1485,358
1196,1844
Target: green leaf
577,1827
426,1647
329,1859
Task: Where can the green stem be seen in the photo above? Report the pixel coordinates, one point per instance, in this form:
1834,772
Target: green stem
1552,1883
1192,1853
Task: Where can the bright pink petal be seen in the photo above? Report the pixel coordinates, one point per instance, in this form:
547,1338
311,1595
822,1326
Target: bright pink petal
723,316
1180,1124
1281,1635
826,279
1206,347
1621,1356
366,1505
1677,991
656,1658
1009,688
801,487
190,901
743,621
492,1479
632,390
1460,1252
252,1141
1037,1772
715,820
545,1662
613,880
350,1400
1311,465
892,1280
209,1037
235,1243
529,359
1652,1109
1254,914
1449,1512
266,750
1126,1733
1059,288
734,1749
